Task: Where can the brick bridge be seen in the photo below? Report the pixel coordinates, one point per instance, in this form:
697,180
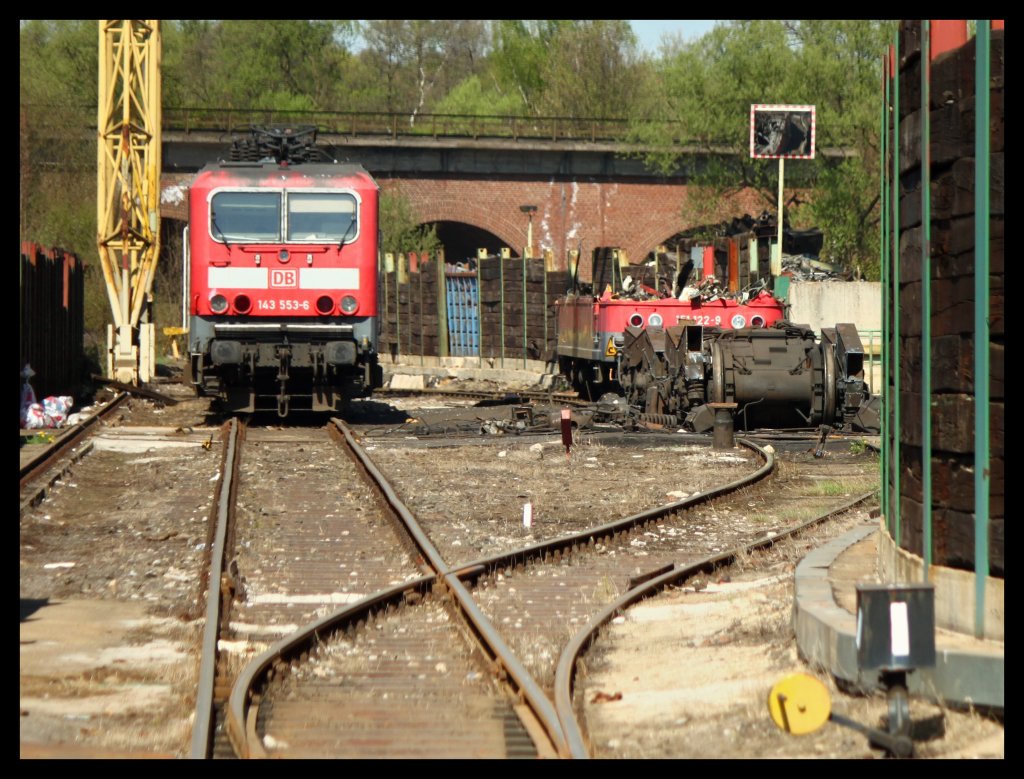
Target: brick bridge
588,194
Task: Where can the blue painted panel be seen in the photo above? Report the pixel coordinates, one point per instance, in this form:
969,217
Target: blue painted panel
463,326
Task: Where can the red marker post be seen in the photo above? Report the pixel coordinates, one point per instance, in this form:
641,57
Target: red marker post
566,430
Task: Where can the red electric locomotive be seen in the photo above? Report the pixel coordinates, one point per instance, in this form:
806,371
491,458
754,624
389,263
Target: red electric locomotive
281,270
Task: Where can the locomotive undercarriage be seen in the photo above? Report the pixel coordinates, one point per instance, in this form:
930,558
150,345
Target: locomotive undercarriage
285,375
779,377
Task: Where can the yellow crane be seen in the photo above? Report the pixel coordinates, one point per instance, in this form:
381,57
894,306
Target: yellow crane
128,189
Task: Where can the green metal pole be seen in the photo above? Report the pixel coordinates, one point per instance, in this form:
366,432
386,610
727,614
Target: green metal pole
926,299
545,306
442,308
479,318
897,426
419,283
387,303
398,303
501,280
524,313
981,325
883,236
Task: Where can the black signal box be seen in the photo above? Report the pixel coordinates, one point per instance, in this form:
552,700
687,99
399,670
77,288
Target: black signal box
895,626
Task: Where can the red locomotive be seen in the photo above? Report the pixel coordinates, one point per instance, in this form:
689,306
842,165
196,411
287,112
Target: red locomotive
591,331
281,269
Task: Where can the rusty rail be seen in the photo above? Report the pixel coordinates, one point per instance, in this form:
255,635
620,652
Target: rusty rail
202,730
565,673
242,709
45,460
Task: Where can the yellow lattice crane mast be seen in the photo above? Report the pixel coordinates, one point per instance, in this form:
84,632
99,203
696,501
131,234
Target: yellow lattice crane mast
128,189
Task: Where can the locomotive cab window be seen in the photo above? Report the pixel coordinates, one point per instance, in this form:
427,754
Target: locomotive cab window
245,216
319,216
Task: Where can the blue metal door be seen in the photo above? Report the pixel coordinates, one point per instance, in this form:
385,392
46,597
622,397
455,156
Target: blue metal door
463,323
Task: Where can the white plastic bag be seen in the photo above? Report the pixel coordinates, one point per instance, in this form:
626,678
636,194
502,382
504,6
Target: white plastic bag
28,397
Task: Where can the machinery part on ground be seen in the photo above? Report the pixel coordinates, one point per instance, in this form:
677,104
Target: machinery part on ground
778,377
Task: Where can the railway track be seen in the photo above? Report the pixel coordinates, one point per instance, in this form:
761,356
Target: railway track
68,445
518,605
447,641
306,536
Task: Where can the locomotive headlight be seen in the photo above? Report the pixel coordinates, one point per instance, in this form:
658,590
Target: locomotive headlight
655,320
349,304
756,321
636,320
218,304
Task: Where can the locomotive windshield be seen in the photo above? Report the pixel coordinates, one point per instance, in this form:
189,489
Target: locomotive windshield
319,216
246,216
239,217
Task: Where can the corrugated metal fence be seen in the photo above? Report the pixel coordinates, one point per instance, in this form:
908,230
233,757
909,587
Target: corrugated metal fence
51,322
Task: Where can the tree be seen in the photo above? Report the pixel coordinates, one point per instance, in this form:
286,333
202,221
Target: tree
400,232
418,61
281,64
57,140
710,84
521,49
592,70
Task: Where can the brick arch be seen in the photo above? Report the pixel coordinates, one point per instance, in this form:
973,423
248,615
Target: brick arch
656,236
431,205
745,201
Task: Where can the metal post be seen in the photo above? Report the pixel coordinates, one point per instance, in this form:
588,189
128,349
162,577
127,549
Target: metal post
896,282
479,318
501,279
723,426
886,297
524,308
545,306
926,300
443,347
419,282
398,303
776,260
982,465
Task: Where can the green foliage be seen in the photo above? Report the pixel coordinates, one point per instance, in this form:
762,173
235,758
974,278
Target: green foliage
475,98
246,63
400,232
417,62
59,92
709,86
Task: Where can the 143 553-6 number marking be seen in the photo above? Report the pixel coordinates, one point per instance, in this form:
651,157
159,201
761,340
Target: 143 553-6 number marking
282,305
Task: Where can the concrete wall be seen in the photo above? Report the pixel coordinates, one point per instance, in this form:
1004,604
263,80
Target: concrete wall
821,304
826,303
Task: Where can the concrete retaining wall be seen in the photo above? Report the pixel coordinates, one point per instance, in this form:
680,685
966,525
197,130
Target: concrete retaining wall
825,303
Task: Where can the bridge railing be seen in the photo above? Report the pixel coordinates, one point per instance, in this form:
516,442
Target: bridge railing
394,125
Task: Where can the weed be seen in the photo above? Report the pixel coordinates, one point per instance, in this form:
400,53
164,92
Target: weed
833,488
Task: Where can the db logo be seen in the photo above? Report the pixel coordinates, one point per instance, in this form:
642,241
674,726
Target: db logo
284,278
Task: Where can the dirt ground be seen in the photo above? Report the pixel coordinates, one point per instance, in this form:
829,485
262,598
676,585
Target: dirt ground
645,667
688,674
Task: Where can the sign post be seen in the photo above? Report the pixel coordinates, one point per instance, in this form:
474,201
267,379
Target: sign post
782,132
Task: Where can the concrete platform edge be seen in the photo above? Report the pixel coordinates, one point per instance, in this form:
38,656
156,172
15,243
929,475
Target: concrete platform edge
826,638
